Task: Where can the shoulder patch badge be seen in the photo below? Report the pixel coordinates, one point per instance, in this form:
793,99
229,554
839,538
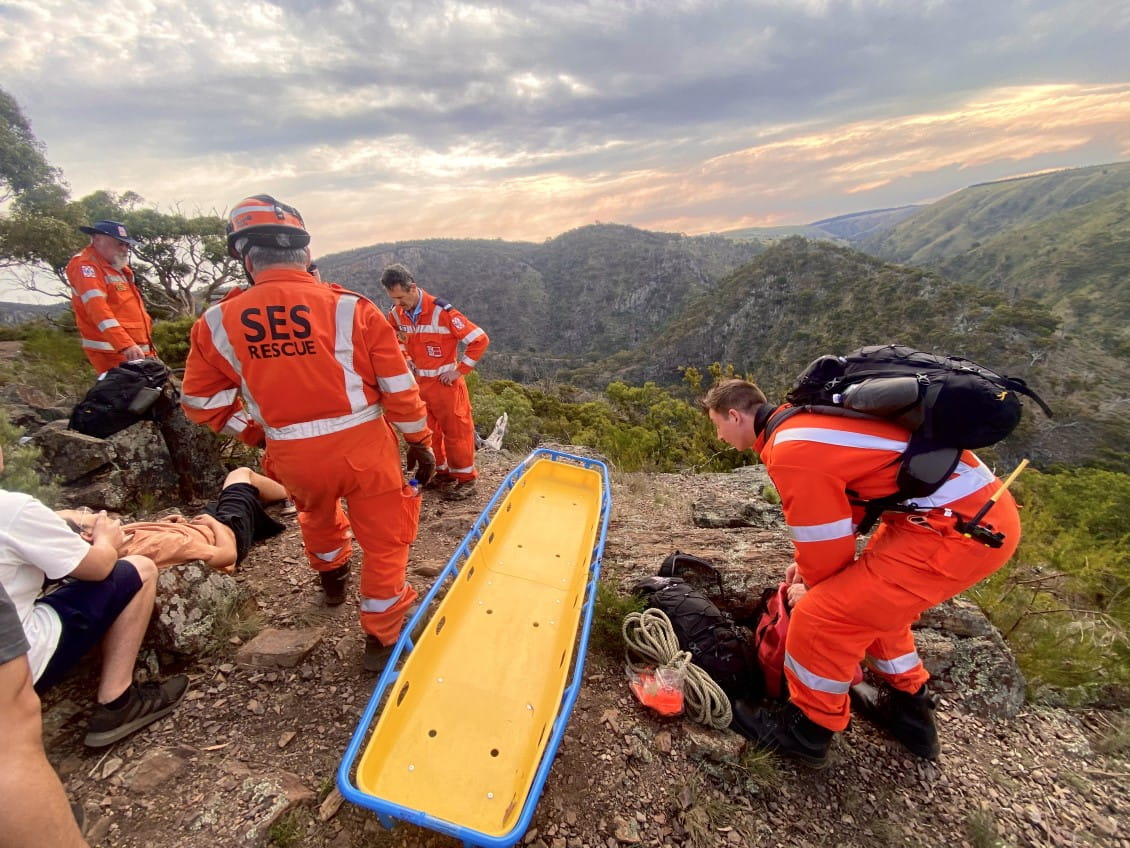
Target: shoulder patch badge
457,322
88,271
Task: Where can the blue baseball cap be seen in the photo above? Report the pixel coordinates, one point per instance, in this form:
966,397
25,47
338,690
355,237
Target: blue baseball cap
113,229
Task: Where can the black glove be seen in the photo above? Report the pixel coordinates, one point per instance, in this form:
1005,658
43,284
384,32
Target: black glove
421,463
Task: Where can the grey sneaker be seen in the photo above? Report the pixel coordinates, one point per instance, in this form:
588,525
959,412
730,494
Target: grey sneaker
147,703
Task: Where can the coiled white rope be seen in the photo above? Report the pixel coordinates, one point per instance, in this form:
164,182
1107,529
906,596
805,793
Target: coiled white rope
650,635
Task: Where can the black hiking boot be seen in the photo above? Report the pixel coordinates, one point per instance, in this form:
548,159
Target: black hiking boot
334,583
440,480
376,654
790,733
147,703
460,491
908,718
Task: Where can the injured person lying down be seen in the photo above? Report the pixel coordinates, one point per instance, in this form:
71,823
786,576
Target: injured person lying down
220,535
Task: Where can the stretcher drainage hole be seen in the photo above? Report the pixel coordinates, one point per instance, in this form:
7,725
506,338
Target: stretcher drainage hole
490,612
490,538
494,752
470,572
432,734
401,694
440,624
536,624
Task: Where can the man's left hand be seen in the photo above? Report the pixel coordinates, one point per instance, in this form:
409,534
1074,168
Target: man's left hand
449,377
421,463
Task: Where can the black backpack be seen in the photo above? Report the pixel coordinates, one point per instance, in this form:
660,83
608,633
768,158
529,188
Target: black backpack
715,643
948,403
122,396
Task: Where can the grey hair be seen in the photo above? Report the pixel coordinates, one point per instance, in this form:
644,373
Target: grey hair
266,257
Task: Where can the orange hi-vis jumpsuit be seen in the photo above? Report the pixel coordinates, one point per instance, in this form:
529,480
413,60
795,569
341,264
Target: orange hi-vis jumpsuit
108,310
431,334
864,607
323,380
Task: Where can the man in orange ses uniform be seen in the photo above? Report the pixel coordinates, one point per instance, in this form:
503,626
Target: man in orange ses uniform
109,312
323,383
823,466
430,330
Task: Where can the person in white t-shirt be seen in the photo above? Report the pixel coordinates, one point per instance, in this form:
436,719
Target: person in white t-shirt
103,599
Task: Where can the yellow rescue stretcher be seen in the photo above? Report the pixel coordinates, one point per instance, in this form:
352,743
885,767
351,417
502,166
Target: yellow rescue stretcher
473,716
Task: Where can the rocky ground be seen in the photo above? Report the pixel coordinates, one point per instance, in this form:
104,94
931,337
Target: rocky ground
249,758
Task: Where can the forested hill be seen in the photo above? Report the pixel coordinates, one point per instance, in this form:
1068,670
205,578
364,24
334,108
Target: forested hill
968,218
1062,237
801,299
586,294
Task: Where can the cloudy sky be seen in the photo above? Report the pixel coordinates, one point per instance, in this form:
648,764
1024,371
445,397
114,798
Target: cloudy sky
521,120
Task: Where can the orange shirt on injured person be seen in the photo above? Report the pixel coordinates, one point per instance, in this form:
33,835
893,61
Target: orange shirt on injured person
172,540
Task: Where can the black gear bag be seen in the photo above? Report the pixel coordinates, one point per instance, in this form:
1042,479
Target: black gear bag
122,396
717,645
946,402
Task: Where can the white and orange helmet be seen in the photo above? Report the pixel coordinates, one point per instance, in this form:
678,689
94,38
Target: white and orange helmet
261,221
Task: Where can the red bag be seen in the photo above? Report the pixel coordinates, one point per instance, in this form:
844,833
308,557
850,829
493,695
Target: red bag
769,640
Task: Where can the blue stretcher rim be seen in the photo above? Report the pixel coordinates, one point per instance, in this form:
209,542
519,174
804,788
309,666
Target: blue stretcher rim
389,812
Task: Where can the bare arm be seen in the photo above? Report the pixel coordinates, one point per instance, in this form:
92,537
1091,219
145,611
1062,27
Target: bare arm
107,542
224,551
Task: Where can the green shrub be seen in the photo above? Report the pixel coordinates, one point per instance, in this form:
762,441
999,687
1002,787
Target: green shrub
171,340
1063,601
52,362
607,636
19,474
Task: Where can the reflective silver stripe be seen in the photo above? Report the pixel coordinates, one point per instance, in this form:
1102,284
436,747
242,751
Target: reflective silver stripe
323,426
92,294
220,399
969,479
840,529
466,470
329,556
399,383
815,681
251,208
898,665
343,352
469,362
411,426
94,345
145,348
432,328
471,336
108,323
214,318
378,604
435,372
842,438
235,425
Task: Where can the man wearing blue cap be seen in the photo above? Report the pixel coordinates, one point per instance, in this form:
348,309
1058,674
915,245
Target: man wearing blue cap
109,312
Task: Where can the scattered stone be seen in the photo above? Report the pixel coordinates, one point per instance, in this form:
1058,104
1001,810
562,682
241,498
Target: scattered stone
286,738
155,768
280,648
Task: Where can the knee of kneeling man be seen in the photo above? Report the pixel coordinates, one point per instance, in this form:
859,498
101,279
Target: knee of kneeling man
146,568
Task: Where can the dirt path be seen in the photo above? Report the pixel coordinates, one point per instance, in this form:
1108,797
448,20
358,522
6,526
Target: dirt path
212,773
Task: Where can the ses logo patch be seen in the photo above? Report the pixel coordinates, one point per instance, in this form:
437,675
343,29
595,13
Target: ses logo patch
434,350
